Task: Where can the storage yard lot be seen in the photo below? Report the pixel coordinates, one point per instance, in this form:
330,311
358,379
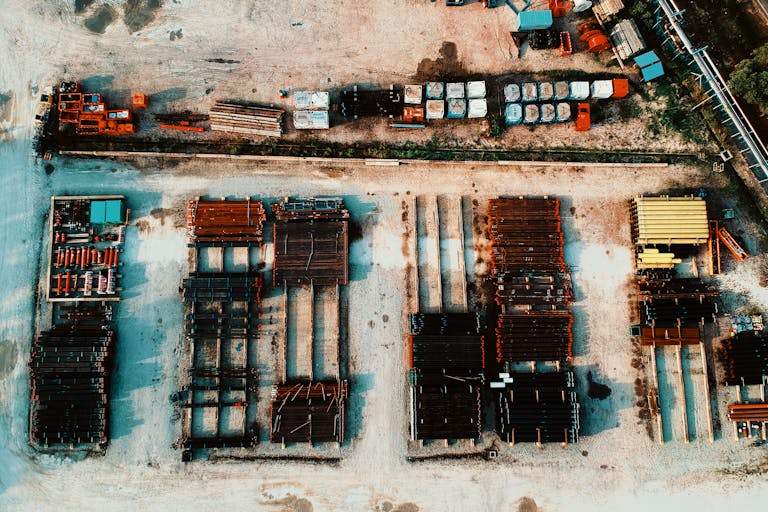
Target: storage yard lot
420,240
141,464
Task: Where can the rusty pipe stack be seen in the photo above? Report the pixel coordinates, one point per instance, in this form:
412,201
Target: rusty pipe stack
225,222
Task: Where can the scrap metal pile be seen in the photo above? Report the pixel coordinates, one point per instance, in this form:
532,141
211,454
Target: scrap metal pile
309,412
536,407
69,378
223,223
533,292
447,361
86,241
311,238
248,120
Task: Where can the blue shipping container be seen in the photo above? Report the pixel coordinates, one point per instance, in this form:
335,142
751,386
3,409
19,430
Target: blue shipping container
534,20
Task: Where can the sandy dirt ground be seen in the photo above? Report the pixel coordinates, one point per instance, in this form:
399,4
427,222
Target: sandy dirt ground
616,459
616,466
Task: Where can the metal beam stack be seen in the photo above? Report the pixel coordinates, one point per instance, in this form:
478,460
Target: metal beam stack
533,292
447,361
69,379
225,222
311,238
745,359
309,412
536,407
248,120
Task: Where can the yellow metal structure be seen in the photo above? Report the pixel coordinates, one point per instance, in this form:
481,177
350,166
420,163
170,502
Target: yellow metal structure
669,220
654,259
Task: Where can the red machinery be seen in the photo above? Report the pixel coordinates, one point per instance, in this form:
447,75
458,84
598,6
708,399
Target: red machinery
592,34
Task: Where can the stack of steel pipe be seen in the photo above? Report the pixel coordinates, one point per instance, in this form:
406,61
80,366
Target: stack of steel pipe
311,412
666,312
536,407
446,406
225,222
676,335
534,289
249,120
526,235
535,336
677,288
447,360
222,287
311,238
757,412
69,381
745,359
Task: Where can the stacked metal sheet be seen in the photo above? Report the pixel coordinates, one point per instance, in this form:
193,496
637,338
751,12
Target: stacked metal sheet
249,120
225,222
669,221
536,407
69,379
308,412
311,242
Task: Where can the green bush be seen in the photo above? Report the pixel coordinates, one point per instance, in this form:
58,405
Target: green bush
750,79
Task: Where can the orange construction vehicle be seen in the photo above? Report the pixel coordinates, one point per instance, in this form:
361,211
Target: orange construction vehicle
583,117
730,243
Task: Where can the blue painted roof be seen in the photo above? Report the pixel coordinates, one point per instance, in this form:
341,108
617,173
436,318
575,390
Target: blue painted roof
114,211
646,59
652,72
98,212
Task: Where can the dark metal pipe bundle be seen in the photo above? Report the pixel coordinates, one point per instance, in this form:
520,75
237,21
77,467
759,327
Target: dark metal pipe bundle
456,324
745,359
311,252
445,407
447,352
537,336
312,412
222,287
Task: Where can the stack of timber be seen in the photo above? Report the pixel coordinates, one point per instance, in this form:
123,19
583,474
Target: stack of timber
447,361
249,120
745,359
536,407
225,222
311,238
535,336
69,379
309,412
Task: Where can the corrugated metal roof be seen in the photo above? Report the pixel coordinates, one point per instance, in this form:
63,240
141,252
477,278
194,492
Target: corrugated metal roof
607,8
534,20
670,220
646,59
113,213
652,72
98,212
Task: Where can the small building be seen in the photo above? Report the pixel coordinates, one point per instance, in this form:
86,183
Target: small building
579,90
547,113
561,91
530,92
563,112
546,91
457,108
650,66
531,114
601,89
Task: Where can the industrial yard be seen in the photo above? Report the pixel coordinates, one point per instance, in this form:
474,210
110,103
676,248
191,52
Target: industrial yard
286,267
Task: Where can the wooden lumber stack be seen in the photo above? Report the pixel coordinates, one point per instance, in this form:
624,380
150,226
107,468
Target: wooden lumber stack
248,120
